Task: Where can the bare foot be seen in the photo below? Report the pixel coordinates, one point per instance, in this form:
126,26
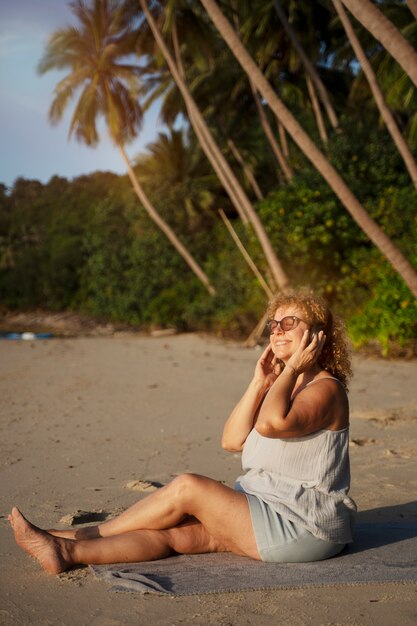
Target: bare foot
49,551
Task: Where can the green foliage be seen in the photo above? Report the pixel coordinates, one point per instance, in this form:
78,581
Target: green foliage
322,247
241,300
380,306
87,245
389,312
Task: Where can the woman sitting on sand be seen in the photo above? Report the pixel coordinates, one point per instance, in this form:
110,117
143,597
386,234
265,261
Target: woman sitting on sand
290,505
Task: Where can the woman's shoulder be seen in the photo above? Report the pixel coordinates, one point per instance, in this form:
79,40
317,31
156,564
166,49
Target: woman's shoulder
322,386
329,396
329,386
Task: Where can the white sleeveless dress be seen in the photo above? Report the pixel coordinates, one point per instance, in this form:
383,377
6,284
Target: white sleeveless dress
305,480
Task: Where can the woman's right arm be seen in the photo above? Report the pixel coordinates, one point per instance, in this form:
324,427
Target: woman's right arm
242,419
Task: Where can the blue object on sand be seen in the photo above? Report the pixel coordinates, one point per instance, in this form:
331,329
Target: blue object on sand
27,336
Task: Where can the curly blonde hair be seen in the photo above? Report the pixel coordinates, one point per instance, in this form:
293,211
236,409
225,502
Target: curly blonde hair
335,355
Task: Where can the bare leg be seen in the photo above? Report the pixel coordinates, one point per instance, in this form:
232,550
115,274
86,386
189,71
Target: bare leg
223,511
158,503
187,495
56,554
145,545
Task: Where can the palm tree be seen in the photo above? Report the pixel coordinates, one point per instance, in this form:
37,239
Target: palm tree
208,75
386,114
201,42
310,69
283,139
282,62
203,133
266,127
95,53
412,5
216,158
317,111
175,162
335,181
247,170
269,134
400,92
386,33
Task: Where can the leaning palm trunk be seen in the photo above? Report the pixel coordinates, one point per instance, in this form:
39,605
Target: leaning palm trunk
308,147
215,156
276,150
385,32
386,114
283,139
282,161
204,136
316,110
257,332
246,255
412,5
166,229
309,67
247,170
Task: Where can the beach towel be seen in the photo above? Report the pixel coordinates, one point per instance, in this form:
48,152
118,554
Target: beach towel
381,553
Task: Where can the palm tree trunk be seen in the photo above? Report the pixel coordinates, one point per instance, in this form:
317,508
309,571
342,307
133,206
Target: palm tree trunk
317,158
285,167
283,139
204,136
385,32
246,254
386,114
412,5
247,170
166,229
280,156
309,67
201,127
257,332
316,110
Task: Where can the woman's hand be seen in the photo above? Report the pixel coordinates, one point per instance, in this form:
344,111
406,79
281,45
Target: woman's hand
307,352
268,368
243,417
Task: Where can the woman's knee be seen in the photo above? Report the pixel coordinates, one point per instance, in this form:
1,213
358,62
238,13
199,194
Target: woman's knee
186,486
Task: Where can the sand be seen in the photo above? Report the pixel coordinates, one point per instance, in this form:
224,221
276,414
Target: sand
83,418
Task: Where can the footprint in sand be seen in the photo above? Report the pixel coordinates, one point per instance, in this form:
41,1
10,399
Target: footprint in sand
390,420
83,517
401,454
361,441
143,485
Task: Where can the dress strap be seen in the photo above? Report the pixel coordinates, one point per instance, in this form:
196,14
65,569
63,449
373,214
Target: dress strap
323,378
298,390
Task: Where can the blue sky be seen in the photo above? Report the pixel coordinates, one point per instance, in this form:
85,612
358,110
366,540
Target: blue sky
30,146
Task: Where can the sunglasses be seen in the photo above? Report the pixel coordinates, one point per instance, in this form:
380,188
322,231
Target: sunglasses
289,322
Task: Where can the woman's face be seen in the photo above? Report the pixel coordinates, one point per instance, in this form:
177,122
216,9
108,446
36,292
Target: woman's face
285,343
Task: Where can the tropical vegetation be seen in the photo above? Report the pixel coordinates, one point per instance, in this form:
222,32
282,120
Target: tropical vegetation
291,117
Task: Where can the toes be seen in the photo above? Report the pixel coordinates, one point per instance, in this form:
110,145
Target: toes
16,512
